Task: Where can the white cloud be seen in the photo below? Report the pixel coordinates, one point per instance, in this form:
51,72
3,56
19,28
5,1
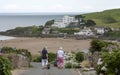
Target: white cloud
57,5
60,8
10,7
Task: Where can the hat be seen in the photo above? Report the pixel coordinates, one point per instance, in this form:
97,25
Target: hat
60,48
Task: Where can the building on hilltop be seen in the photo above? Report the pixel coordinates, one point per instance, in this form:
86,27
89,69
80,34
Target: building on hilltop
64,22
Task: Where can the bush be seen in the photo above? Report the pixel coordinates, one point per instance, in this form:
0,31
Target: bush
37,59
24,52
5,66
51,56
7,50
79,56
68,65
76,65
85,64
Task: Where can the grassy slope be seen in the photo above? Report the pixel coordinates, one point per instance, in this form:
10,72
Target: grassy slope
97,17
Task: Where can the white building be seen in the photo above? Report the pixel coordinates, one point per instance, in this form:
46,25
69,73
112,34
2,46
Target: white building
59,23
100,30
62,23
86,32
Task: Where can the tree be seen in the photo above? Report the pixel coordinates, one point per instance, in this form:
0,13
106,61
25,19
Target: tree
112,61
49,23
80,19
96,45
90,23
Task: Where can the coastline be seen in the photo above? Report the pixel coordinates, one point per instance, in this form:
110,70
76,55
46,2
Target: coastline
2,37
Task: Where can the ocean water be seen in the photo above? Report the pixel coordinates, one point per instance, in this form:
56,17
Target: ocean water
6,37
12,21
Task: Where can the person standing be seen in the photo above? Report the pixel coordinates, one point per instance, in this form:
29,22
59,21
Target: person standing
44,58
60,57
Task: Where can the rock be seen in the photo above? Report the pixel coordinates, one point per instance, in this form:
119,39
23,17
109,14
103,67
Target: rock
19,61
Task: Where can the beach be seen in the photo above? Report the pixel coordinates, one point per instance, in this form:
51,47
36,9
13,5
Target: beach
34,45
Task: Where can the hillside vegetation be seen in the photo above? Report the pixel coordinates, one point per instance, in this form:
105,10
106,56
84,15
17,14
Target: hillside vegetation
110,18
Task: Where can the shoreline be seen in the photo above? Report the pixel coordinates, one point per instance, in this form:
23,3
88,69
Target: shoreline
37,44
3,37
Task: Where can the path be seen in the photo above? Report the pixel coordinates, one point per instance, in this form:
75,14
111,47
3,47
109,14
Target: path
52,71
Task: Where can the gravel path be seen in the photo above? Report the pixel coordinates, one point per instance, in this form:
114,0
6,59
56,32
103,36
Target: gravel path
37,70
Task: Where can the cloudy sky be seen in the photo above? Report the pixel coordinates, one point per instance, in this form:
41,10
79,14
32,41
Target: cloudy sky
31,6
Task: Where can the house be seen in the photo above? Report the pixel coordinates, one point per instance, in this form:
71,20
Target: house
64,22
100,30
86,32
46,30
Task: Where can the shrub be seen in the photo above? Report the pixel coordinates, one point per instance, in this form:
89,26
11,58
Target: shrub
24,52
5,66
71,65
76,66
7,50
37,59
79,56
85,64
68,65
51,56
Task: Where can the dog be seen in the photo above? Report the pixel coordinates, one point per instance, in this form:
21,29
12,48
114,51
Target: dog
48,66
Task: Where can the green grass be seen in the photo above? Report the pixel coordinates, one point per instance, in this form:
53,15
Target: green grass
100,17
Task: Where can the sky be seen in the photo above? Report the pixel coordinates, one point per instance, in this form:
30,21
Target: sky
38,6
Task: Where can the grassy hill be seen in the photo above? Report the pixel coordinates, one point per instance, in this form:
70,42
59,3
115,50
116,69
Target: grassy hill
109,18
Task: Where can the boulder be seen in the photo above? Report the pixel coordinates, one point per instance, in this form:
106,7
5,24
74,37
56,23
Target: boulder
19,61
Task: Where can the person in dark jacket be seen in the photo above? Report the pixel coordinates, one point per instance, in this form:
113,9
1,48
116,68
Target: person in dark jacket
44,58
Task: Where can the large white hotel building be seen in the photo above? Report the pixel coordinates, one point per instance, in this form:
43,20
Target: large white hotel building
64,22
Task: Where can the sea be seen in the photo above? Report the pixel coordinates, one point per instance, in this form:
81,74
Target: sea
11,21
6,37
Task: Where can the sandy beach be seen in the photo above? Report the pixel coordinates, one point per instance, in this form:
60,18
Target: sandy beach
36,44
